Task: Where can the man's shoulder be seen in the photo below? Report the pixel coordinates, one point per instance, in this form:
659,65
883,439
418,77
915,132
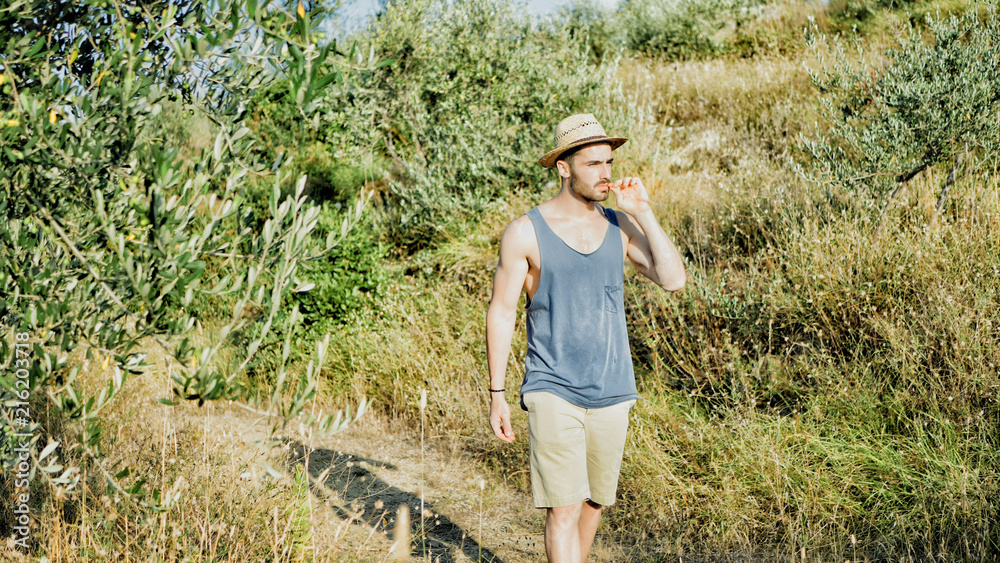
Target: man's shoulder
623,221
519,236
520,228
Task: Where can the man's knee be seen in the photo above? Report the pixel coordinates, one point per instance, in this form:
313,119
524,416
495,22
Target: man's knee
593,505
565,516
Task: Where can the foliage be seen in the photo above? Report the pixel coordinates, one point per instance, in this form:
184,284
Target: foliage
107,238
872,340
466,99
349,277
856,11
680,29
826,381
276,121
825,384
333,172
590,24
935,98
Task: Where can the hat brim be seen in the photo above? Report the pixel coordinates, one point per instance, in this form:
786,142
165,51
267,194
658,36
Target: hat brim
550,158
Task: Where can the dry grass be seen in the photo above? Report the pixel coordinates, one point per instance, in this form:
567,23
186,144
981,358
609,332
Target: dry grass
221,485
203,469
825,388
823,384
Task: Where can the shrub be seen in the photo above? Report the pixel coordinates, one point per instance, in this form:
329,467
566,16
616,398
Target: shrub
107,240
591,25
334,172
350,277
680,29
463,111
859,11
933,99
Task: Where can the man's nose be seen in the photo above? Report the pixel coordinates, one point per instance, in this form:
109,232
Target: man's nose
606,172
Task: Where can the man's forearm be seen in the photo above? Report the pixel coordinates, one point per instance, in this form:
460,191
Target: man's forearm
667,263
499,333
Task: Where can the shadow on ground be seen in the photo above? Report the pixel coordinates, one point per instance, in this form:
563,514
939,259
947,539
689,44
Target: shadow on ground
366,499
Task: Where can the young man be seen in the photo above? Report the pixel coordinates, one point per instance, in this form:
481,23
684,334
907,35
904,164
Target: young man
568,254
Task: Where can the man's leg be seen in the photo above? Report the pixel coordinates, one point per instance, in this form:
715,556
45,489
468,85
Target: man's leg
562,534
558,453
590,518
606,431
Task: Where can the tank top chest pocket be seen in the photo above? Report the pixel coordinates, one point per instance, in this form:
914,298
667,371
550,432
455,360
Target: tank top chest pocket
613,298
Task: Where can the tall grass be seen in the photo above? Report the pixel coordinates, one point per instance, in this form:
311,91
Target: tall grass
217,492
835,379
838,383
827,382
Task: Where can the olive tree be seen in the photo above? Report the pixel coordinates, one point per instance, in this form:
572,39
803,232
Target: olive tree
930,99
107,237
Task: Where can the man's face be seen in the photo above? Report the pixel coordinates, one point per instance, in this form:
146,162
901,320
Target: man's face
590,172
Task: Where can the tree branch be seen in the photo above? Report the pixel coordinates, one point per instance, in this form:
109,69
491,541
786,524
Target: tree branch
93,273
906,177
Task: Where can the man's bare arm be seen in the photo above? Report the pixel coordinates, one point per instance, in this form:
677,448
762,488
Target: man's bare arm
508,281
649,248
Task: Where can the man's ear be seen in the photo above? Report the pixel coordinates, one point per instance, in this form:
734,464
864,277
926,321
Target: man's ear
563,168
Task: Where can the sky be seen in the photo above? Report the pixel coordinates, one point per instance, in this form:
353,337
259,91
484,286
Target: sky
356,10
545,6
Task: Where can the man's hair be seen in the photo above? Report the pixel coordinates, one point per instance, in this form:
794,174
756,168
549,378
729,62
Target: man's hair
569,153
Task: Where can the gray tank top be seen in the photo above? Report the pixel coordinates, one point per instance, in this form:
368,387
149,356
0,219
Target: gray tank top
577,338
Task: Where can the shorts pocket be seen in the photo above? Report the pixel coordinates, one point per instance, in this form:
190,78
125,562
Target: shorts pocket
613,298
528,400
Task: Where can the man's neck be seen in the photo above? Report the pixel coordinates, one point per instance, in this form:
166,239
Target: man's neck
570,204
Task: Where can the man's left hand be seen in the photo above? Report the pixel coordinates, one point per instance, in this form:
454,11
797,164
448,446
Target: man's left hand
631,196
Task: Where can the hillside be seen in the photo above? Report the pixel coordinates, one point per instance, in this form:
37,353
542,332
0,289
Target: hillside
824,388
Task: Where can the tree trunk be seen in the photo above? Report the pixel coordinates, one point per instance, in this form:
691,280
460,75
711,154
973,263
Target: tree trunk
947,184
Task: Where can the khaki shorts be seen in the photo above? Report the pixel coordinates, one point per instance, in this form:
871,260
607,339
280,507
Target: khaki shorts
576,453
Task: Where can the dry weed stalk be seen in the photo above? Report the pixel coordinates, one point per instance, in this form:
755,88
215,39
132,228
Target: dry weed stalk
401,548
423,472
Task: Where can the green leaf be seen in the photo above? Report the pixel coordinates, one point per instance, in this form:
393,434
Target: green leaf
48,450
220,141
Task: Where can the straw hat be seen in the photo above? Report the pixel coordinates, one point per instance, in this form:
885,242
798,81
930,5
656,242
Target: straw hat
575,131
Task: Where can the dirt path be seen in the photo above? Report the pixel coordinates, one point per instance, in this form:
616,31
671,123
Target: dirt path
366,472
358,479
361,476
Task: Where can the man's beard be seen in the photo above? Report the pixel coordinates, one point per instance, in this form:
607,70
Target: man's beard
591,193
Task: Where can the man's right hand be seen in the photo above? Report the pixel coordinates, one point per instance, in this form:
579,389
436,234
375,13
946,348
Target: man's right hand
500,419
512,273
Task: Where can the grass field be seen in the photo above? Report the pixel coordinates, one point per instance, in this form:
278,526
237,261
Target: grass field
825,388
826,383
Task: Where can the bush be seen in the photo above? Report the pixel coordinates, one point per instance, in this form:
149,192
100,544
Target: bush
350,277
680,29
591,25
932,100
465,105
334,172
859,11
107,239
